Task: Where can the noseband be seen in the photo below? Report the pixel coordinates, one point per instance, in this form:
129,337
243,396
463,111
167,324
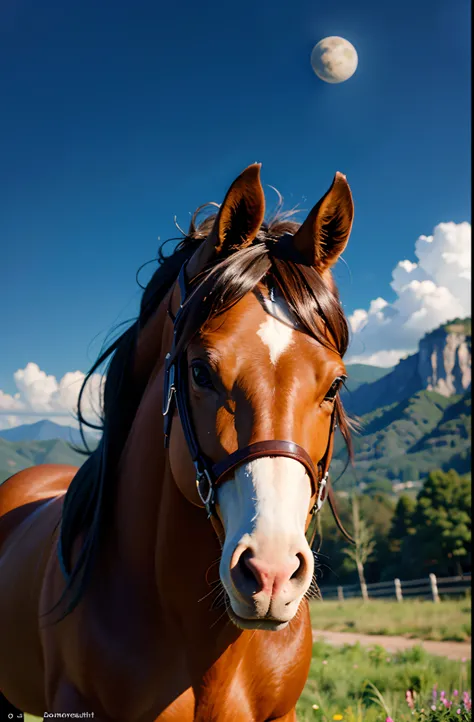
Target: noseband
209,475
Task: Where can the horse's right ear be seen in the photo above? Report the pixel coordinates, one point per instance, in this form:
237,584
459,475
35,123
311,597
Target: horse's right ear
237,223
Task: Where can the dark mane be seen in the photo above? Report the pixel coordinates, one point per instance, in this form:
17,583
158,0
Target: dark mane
90,497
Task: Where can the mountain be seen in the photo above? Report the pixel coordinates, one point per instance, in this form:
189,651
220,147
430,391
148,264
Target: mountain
43,442
16,456
404,441
42,431
358,374
441,364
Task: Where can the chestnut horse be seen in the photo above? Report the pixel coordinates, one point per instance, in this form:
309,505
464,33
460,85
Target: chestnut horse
167,578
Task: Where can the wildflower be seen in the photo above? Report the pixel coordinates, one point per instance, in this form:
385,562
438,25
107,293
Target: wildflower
464,659
388,719
435,692
409,699
325,661
337,716
433,707
355,666
455,693
315,706
458,711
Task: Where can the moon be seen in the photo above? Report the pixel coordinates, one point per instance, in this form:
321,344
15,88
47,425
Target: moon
334,59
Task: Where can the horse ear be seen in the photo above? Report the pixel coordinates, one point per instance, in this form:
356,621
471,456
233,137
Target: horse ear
238,220
324,234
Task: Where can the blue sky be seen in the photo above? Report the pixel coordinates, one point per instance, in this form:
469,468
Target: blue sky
118,116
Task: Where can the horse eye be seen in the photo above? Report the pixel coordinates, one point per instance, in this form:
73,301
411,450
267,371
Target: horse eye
335,386
201,375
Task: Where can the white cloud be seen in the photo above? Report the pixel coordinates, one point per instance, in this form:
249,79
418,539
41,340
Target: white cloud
40,396
429,292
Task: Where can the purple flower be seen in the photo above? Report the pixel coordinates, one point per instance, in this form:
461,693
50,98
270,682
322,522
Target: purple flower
458,711
388,719
455,692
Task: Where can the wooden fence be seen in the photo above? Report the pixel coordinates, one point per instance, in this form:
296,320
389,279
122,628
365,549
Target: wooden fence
430,587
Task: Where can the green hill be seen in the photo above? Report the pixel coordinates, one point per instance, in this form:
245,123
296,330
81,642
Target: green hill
358,374
16,456
406,440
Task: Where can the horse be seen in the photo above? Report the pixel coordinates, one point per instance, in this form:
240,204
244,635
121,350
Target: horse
168,577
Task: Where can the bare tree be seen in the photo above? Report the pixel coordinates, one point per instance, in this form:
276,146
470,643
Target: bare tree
361,552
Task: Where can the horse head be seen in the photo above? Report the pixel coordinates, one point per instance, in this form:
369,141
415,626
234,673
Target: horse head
251,388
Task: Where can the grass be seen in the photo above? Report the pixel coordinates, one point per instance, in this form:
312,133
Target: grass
448,621
339,677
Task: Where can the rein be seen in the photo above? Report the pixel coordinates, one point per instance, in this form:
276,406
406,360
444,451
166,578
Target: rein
209,475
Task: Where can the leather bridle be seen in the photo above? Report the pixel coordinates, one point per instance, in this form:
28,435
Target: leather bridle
209,475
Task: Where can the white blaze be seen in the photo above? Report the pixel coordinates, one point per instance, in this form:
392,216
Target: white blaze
265,506
275,334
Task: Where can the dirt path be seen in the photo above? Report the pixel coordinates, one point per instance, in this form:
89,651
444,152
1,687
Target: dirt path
451,650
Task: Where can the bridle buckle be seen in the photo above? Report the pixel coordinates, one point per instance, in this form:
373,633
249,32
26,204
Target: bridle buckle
321,494
170,387
207,499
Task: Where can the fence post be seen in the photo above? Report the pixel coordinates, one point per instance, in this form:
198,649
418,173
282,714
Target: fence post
434,588
398,590
340,594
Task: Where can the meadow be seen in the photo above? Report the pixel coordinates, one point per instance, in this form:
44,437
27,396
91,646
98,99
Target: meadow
357,684
448,621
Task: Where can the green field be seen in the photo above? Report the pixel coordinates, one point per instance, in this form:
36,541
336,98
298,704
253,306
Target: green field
337,684
448,621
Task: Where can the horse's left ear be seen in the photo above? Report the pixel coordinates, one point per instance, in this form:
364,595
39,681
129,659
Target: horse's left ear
324,234
238,220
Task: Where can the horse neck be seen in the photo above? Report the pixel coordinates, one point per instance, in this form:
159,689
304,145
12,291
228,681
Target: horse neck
142,461
156,529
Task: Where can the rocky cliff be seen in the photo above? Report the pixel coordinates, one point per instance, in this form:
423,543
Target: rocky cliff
442,364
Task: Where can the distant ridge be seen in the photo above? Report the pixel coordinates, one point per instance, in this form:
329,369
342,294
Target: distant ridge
441,364
358,374
44,430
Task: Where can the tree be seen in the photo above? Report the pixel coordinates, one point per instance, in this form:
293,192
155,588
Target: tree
361,552
402,522
443,520
378,485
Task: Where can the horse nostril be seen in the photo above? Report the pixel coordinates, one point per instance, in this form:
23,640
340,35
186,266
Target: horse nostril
247,569
301,568
245,574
